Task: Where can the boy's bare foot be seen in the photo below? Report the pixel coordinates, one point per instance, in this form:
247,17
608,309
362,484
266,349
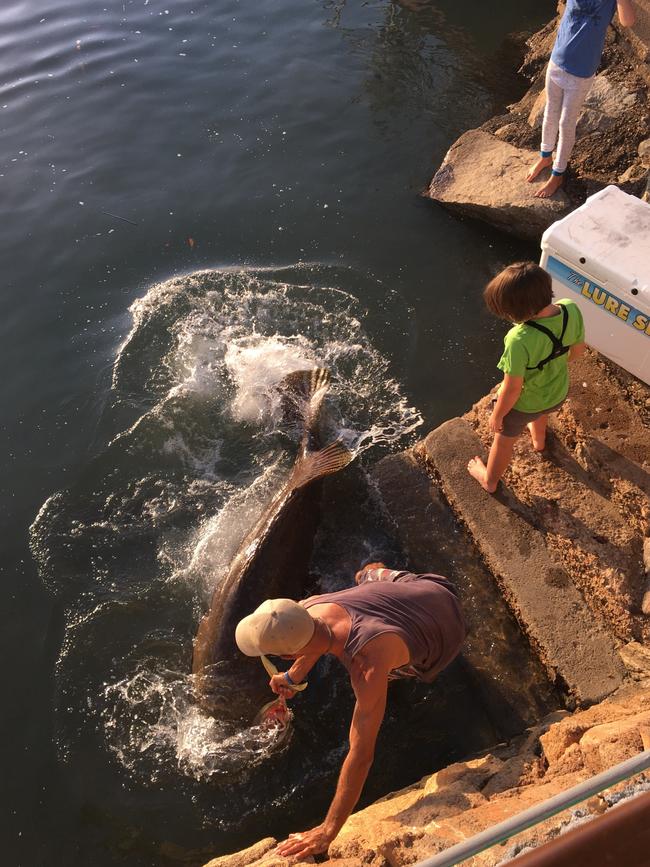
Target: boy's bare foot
478,470
538,166
551,187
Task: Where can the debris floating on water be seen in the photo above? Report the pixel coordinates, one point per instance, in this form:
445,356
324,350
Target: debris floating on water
117,217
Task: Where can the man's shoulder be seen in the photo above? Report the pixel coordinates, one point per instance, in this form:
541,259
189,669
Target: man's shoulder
379,655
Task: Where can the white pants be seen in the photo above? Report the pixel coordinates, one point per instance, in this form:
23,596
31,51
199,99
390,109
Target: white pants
565,96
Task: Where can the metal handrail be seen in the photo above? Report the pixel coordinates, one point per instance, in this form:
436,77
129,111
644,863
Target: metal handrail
522,821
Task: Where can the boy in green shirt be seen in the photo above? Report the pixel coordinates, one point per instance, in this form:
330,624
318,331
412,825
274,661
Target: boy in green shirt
534,362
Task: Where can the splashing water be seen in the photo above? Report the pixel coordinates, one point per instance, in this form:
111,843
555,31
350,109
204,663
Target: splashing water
164,725
137,546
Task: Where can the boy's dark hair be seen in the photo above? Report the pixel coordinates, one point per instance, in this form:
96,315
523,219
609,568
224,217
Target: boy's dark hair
519,291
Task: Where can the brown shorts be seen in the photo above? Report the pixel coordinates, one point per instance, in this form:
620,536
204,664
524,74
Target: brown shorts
515,421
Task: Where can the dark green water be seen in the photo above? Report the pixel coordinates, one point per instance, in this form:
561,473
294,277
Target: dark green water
226,136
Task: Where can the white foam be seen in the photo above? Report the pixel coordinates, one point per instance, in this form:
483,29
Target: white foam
256,366
150,719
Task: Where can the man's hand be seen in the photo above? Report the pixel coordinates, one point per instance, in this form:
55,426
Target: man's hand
308,843
280,686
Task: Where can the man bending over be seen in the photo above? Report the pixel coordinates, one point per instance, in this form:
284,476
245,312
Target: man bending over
393,624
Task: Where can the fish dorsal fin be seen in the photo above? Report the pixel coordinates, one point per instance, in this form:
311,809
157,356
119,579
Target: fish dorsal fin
316,465
303,392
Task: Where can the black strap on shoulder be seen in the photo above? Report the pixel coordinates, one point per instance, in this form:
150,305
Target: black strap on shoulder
558,347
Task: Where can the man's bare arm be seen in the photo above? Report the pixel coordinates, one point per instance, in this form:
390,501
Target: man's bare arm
366,721
370,687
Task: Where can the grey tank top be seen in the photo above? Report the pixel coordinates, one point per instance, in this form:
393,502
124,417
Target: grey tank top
422,609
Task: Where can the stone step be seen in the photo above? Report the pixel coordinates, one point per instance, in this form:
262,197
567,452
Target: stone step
589,492
503,669
572,643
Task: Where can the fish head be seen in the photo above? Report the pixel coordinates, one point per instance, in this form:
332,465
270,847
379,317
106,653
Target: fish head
274,713
274,719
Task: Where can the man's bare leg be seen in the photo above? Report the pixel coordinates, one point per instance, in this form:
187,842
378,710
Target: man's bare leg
500,455
537,430
538,166
551,187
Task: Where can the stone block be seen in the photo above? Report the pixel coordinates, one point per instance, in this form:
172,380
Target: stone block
484,177
540,593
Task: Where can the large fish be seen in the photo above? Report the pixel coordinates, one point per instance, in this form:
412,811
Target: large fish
272,561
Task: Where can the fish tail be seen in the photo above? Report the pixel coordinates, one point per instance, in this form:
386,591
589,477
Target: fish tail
311,466
303,393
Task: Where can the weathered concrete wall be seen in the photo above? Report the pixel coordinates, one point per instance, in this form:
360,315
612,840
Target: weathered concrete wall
571,643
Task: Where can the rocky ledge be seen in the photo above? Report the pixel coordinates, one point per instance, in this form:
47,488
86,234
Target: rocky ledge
566,539
483,174
467,797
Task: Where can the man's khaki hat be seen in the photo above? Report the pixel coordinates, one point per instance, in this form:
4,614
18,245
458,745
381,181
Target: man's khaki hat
279,627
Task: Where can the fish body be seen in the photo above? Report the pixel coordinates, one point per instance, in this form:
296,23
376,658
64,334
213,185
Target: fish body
272,561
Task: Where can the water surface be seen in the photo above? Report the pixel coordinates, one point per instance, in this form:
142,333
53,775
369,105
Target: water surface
144,140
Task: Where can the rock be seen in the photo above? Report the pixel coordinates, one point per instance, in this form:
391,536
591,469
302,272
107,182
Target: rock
606,745
468,797
644,152
536,115
645,601
559,738
260,853
633,174
636,657
504,131
597,805
644,731
484,177
606,103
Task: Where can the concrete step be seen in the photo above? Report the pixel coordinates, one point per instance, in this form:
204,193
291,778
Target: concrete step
589,492
499,661
573,644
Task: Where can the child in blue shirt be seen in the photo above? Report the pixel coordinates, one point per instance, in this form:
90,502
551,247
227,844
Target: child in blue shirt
571,70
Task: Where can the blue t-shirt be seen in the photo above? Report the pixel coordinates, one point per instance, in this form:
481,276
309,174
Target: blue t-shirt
581,36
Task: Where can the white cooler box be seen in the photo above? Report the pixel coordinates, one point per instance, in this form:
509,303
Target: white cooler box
599,255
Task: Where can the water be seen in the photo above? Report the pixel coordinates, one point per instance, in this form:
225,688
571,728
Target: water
279,150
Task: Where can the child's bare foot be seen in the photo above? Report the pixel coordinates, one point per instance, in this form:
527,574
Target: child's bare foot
538,166
478,470
551,187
